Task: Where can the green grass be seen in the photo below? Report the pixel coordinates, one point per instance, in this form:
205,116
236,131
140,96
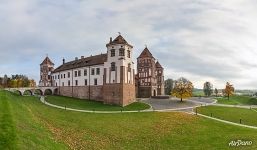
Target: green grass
92,105
198,92
238,100
248,116
34,125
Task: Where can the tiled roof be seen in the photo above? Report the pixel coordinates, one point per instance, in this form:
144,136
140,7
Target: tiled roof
146,53
88,61
158,65
118,40
47,61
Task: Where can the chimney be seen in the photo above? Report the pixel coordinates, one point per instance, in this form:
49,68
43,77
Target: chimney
76,58
110,39
82,57
63,61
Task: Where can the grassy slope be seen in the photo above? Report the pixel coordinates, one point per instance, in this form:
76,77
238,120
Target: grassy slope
92,105
38,126
238,100
231,114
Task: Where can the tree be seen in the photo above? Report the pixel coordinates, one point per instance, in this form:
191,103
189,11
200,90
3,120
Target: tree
207,89
229,90
183,88
216,92
168,86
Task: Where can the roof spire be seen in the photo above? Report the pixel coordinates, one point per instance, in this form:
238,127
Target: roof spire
46,54
119,33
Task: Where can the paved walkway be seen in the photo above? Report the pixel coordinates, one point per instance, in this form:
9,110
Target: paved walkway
175,104
42,99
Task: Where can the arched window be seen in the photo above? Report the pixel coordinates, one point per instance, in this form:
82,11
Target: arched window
113,66
121,52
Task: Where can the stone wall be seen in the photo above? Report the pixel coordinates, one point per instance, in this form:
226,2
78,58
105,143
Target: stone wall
129,95
119,94
144,92
82,92
112,94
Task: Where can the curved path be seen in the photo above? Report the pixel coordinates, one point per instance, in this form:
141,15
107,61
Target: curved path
42,99
167,107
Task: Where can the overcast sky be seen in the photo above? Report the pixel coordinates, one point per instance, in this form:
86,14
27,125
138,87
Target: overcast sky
201,40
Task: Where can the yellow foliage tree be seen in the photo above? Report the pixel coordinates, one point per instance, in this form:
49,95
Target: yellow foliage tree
183,89
229,90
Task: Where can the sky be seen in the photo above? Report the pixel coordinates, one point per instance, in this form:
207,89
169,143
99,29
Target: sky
201,40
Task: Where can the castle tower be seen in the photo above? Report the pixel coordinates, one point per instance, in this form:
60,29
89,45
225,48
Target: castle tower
160,78
46,67
119,84
146,69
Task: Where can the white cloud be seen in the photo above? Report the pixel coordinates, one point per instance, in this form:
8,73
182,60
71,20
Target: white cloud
200,40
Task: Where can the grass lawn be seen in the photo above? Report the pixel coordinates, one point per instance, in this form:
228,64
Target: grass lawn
198,92
92,105
238,100
26,123
249,117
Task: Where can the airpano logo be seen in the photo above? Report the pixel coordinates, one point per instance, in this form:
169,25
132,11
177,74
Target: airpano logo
236,143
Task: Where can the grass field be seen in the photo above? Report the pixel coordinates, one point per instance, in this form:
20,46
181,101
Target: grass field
26,123
247,116
92,105
238,100
198,92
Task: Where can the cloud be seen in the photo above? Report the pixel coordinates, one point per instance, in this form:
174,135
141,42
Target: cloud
200,40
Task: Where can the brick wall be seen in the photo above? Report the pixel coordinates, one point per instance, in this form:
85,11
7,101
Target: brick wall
82,92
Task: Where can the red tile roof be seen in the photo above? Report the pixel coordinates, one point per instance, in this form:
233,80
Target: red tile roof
88,61
118,40
145,54
47,61
158,65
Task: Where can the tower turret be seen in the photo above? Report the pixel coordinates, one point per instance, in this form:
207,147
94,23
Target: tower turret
46,67
119,72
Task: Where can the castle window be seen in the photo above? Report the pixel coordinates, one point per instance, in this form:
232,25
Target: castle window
79,73
76,82
76,73
68,82
112,52
121,52
68,74
64,76
85,72
113,66
92,71
128,53
58,76
95,82
62,83
85,81
61,76
97,71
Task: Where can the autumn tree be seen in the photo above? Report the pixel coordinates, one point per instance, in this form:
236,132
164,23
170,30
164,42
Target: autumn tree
168,86
207,89
216,92
183,88
229,90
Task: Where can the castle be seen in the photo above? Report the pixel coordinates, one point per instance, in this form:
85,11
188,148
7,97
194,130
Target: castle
109,77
